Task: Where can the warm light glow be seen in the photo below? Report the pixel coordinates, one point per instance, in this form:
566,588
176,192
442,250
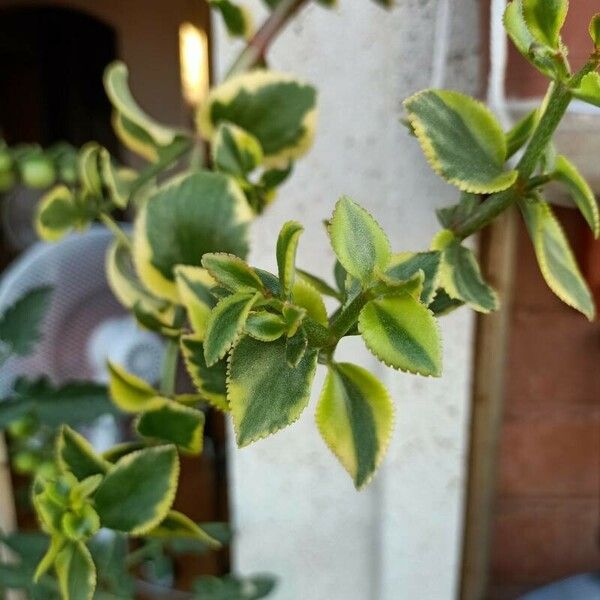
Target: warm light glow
193,57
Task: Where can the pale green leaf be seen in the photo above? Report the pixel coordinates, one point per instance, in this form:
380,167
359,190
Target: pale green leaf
545,19
594,30
118,182
461,139
129,392
138,492
355,416
265,326
226,323
555,257
589,89
287,246
89,169
266,394
583,196
403,334
277,109
307,297
358,241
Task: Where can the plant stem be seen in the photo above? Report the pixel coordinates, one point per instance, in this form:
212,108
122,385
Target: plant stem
257,47
347,318
558,104
169,365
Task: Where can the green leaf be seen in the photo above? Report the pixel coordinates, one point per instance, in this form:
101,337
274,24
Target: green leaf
232,272
534,50
209,381
589,89
594,30
75,454
555,257
521,133
177,526
226,323
287,246
460,275
235,151
155,321
443,304
295,347
307,297
75,403
208,587
185,218
237,19
138,492
583,196
406,265
265,326
403,334
545,19
174,423
89,169
130,393
277,109
116,85
266,394
76,572
452,216
21,323
124,282
57,213
358,241
461,139
355,416
293,316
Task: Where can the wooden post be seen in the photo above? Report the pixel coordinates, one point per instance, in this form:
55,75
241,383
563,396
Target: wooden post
498,246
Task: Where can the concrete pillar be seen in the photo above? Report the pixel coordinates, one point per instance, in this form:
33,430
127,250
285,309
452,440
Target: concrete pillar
295,509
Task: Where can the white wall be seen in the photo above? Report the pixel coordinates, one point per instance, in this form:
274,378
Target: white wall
295,508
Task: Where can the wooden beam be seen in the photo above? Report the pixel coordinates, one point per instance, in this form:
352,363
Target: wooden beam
498,246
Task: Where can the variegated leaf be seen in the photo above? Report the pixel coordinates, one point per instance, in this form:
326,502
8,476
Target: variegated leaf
232,272
583,196
209,381
555,257
403,334
226,323
137,494
58,213
287,246
277,109
460,275
76,572
266,394
358,241
265,326
406,265
238,19
545,19
174,423
129,392
235,151
307,297
355,416
75,454
589,89
185,218
177,526
193,286
462,140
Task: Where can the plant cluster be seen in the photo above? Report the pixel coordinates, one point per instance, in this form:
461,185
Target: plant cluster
251,340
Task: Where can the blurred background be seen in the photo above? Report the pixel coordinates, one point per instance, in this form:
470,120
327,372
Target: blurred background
491,488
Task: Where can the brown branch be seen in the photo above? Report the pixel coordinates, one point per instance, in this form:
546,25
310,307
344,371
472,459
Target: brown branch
257,46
